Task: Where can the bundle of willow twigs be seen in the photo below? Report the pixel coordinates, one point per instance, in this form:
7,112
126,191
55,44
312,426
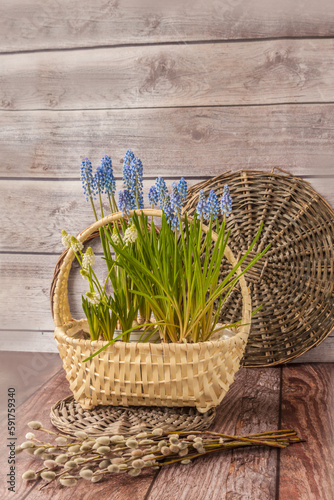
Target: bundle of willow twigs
69,459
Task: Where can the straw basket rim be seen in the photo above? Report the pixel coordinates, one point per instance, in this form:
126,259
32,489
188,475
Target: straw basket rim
77,342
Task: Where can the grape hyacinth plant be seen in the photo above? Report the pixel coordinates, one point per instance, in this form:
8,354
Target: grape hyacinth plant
165,278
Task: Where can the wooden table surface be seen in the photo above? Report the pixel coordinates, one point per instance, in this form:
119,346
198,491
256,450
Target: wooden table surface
298,396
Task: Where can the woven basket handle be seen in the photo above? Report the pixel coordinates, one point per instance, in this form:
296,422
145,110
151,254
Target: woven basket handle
59,291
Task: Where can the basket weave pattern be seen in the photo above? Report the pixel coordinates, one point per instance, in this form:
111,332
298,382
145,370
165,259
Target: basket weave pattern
68,416
147,374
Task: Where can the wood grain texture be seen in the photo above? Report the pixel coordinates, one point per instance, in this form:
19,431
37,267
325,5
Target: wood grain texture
261,72
39,24
29,341
62,205
306,470
251,405
38,407
206,140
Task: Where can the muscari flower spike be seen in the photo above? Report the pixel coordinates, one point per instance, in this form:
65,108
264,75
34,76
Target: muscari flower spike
76,245
153,196
162,190
65,239
116,239
104,180
100,179
175,201
93,298
129,156
87,179
136,184
130,235
124,201
88,258
226,202
201,208
213,205
168,210
175,198
182,187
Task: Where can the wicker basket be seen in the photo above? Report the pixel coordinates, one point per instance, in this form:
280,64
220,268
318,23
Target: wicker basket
146,374
295,279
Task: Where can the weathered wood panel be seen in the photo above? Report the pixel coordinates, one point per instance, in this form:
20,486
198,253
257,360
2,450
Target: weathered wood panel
27,341
306,470
24,294
206,141
251,405
62,205
266,72
39,24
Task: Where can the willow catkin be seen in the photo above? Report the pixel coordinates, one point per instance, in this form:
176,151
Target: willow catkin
29,475
67,481
28,444
86,474
34,424
103,440
48,475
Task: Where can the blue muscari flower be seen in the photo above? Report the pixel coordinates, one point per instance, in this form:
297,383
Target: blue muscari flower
175,198
153,196
135,186
110,182
87,179
182,187
175,223
175,201
201,208
162,190
226,202
167,209
129,156
124,201
104,180
99,179
213,205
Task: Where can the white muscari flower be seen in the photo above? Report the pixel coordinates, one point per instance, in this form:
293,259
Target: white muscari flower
84,274
93,298
65,239
116,238
88,259
130,235
76,245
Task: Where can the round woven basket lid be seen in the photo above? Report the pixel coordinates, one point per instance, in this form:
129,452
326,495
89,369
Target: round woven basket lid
69,417
294,281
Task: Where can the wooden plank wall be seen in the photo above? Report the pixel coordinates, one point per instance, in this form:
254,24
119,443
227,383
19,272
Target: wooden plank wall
195,88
